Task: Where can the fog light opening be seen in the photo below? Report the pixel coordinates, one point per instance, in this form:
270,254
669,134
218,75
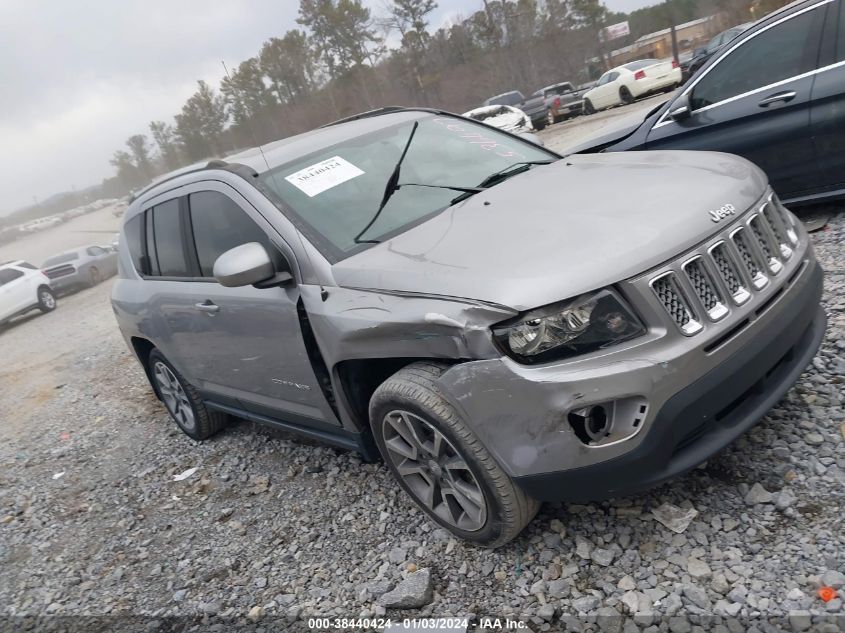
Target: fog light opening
591,424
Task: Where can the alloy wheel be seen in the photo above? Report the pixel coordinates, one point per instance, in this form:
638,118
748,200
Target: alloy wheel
174,396
434,470
47,300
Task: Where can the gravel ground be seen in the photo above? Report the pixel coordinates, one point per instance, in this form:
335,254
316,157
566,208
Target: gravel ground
93,522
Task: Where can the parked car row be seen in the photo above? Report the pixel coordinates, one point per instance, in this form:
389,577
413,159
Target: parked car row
24,287
545,106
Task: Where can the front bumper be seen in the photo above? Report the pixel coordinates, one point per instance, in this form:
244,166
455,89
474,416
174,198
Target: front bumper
698,401
706,416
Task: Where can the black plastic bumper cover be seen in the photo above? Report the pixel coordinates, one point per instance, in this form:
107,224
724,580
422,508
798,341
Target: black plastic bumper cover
709,414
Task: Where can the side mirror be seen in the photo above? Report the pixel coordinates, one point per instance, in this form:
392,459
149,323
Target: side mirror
244,265
532,138
680,109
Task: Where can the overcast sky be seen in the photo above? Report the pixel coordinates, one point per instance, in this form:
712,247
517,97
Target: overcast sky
80,77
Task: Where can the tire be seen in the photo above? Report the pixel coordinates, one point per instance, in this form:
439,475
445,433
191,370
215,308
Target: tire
182,401
46,299
588,107
539,125
626,96
94,277
410,399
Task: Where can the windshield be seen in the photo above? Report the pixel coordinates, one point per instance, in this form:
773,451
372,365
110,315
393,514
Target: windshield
334,193
61,259
641,63
510,98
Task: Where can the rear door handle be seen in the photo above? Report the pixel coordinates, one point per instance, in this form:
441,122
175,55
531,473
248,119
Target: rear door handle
775,98
207,306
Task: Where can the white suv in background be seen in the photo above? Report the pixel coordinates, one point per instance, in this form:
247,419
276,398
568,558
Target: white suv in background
23,288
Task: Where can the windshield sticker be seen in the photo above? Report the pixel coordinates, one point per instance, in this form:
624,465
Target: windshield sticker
323,176
477,139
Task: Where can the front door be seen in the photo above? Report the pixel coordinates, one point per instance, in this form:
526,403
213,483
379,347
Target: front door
755,102
239,346
827,117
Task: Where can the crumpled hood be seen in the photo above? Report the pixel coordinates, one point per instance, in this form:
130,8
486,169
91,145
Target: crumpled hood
559,230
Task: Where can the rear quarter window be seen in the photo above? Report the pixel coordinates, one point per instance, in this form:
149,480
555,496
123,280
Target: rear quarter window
134,235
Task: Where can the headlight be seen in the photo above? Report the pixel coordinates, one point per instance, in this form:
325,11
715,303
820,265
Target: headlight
585,324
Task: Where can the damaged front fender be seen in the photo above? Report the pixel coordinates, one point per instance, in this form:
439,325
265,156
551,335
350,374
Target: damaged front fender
357,324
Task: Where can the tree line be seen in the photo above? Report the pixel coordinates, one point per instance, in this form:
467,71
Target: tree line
337,63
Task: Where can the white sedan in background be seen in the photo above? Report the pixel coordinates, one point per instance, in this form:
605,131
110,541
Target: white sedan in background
630,81
504,117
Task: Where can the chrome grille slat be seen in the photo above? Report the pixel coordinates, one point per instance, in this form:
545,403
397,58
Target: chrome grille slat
765,242
779,231
788,224
749,260
676,304
729,273
705,288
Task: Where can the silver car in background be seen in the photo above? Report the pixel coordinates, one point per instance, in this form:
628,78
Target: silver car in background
81,267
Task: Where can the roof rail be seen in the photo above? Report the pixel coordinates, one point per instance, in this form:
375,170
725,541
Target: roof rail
214,163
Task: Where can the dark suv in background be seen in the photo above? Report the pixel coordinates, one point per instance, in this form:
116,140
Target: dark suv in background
775,95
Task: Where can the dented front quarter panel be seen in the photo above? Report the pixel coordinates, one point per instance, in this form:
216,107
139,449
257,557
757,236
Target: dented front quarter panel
359,324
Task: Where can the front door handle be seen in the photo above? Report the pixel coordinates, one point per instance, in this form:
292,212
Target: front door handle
775,98
207,306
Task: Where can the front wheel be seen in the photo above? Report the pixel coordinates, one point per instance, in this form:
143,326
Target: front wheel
588,107
46,299
440,463
183,402
94,277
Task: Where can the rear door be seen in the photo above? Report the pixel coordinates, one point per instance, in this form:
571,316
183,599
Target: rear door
754,100
240,346
827,116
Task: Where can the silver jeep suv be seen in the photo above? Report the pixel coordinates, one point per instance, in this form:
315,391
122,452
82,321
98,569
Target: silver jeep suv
500,324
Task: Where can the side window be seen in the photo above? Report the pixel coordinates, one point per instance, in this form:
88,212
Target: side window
167,227
612,77
9,274
151,245
603,79
783,51
26,265
133,236
218,225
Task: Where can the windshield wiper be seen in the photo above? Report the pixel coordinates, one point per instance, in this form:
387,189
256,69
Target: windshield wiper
511,170
391,187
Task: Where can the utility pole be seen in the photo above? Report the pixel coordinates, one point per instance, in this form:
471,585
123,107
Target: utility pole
672,31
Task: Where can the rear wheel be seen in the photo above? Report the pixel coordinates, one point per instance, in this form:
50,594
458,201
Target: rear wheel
625,95
440,463
183,402
46,299
94,277
539,125
588,107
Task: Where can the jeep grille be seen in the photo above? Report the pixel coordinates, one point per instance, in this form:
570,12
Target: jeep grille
742,261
